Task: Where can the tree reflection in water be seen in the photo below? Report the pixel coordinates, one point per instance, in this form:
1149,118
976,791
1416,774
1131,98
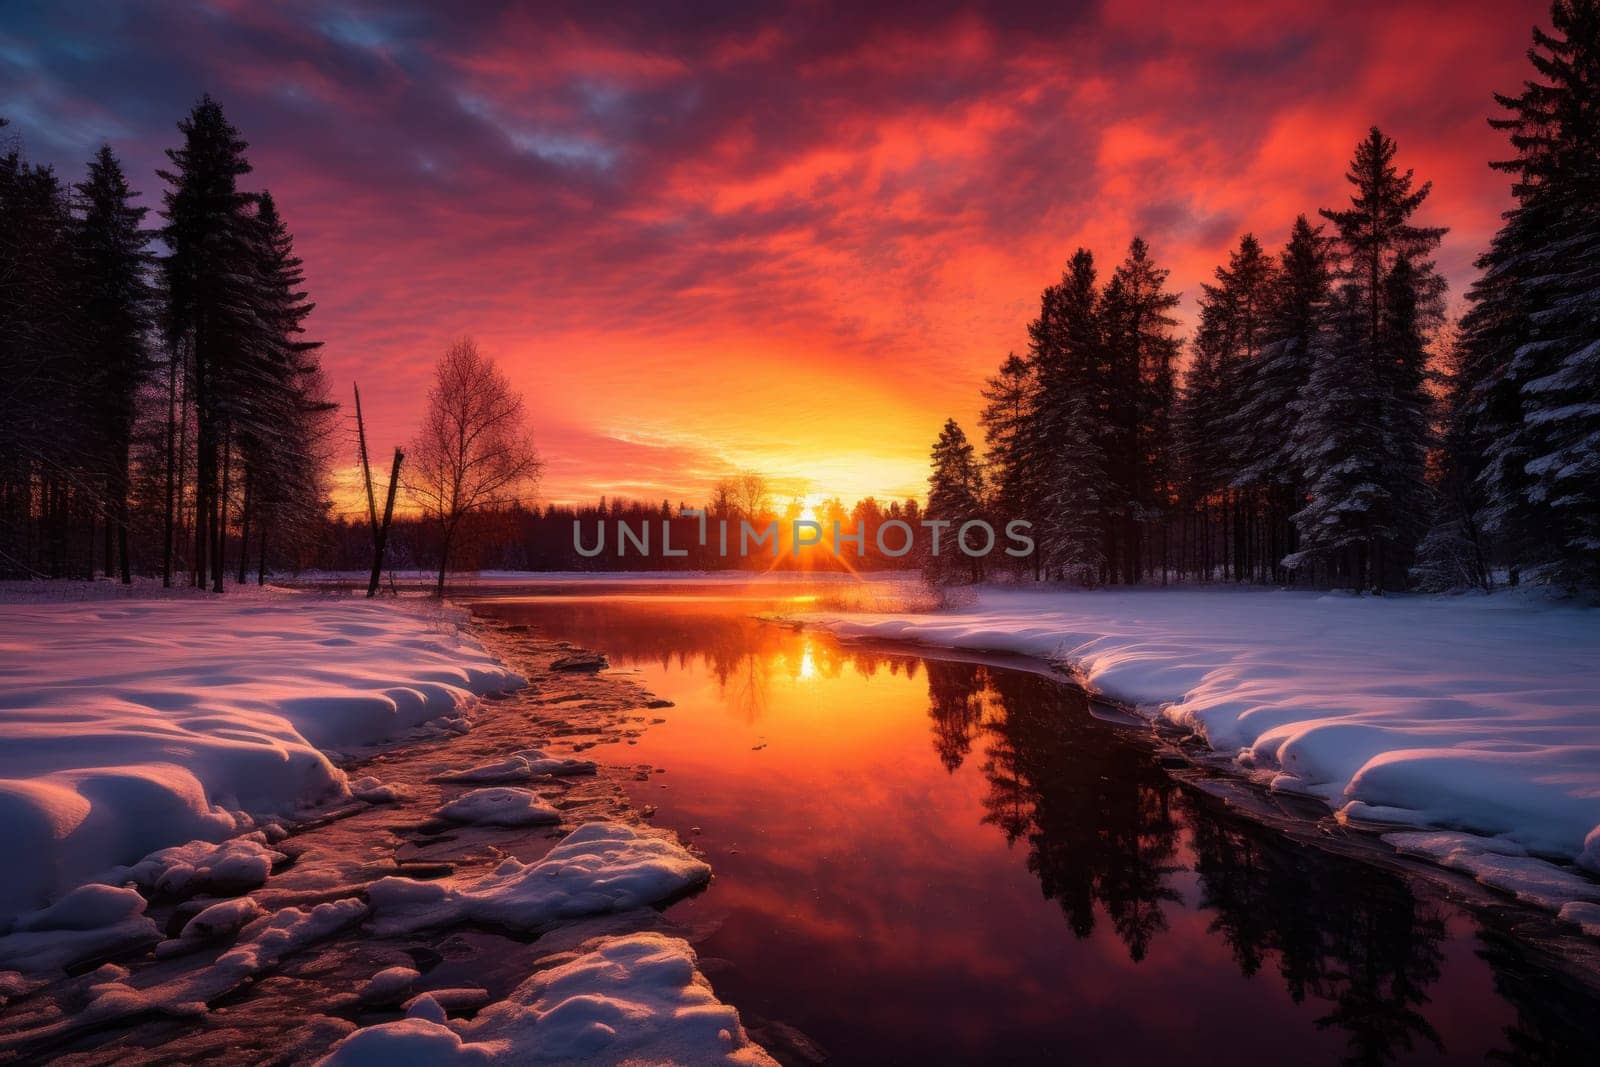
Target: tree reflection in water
1106,830
1107,834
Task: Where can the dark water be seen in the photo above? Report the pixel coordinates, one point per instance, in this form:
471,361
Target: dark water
921,861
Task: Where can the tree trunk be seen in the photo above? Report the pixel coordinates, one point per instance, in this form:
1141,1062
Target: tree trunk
382,537
220,533
244,529
444,559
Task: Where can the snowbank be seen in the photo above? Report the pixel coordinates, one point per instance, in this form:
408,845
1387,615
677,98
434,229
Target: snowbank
634,999
598,868
130,725
1471,713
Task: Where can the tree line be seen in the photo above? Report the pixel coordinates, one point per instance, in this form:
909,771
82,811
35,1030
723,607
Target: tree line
160,405
1331,427
519,536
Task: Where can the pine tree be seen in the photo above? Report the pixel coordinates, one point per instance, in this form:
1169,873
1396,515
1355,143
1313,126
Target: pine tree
1455,552
213,286
1363,433
49,464
284,411
1064,452
1142,350
1008,420
1266,414
113,264
955,495
1530,338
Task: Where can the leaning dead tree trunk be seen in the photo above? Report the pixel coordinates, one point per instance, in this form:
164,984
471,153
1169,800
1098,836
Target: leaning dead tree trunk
381,534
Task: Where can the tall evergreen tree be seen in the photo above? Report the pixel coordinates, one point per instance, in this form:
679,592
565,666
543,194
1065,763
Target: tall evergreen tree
284,413
1267,411
955,495
1530,337
1363,433
113,263
1010,399
212,281
1065,451
1142,351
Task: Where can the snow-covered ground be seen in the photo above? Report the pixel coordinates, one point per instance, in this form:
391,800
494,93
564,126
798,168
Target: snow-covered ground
1470,713
133,723
635,999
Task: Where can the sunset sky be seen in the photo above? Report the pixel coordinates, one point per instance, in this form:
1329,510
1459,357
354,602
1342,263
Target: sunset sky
702,236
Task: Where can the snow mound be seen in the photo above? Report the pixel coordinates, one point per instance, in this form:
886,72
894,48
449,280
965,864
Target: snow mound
234,866
500,805
599,867
129,725
634,999
91,920
1469,713
212,924
520,767
389,985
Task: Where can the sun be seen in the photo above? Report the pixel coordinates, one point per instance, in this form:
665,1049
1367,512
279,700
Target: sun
809,506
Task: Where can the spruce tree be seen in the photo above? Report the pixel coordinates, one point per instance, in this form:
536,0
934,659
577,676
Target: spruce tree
212,285
1142,350
1008,420
113,264
1530,338
1363,434
284,411
1065,452
1267,413
955,496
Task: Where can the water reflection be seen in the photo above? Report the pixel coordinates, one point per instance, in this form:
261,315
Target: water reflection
878,824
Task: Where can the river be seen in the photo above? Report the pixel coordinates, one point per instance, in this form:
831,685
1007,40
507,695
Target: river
952,861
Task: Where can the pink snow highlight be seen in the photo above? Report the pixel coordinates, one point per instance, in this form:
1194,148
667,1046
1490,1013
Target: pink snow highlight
130,725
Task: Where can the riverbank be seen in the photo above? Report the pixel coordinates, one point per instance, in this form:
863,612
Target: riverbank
394,921
1468,728
135,723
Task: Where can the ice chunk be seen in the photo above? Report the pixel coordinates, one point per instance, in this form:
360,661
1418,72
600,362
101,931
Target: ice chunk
91,920
500,805
634,999
212,924
234,866
599,867
520,767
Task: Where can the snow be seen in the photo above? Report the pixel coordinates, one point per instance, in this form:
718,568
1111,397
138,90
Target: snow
1477,714
520,767
389,985
500,805
599,867
129,724
639,998
234,866
262,944
212,924
90,920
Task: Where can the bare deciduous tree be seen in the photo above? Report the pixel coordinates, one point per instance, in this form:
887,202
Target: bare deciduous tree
474,451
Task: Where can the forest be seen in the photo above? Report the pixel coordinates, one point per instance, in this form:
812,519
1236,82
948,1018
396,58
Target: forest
1327,424
1332,427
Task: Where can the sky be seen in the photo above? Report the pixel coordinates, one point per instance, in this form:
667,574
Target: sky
704,236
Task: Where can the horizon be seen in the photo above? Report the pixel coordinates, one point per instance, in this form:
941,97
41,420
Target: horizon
768,242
